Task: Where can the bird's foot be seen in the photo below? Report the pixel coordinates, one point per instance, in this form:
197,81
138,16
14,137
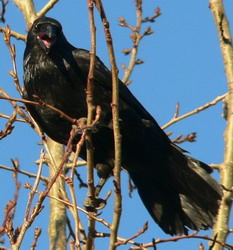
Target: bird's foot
81,125
92,205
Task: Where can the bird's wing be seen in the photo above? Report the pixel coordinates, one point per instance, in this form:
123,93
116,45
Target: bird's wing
103,77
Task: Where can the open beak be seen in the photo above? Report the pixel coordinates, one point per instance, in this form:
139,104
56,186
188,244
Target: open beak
47,37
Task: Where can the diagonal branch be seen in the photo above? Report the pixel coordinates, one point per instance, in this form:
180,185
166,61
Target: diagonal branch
176,118
49,5
28,9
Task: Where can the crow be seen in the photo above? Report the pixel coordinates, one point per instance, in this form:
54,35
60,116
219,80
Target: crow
176,189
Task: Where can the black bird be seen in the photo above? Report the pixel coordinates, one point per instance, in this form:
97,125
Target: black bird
176,189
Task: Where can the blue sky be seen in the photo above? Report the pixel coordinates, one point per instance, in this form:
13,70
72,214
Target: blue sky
183,64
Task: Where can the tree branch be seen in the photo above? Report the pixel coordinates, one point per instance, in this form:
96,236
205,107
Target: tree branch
30,175
15,34
90,114
136,38
221,227
116,128
28,9
57,216
46,8
182,237
176,118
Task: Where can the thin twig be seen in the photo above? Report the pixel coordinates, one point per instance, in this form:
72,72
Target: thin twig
14,34
182,237
12,50
136,38
79,163
140,232
4,95
7,225
8,117
31,120
69,204
176,114
71,232
195,111
27,222
188,138
78,226
33,191
9,126
61,113
37,233
30,175
41,103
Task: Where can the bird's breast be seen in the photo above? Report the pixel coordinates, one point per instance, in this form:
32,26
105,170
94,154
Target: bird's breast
54,85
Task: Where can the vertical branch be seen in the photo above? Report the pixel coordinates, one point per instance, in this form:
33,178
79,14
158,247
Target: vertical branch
36,183
57,220
28,9
79,230
12,50
221,227
137,39
116,128
57,227
90,110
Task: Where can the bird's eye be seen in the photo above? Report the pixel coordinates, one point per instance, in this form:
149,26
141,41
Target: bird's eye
36,28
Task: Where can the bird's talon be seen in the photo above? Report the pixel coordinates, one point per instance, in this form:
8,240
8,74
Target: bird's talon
96,204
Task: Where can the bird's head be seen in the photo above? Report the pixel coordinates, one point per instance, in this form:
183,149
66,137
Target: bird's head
46,32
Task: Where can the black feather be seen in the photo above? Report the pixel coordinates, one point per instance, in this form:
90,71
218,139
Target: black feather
176,189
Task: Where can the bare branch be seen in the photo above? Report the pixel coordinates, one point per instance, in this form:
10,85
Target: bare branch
140,232
136,37
90,109
9,212
188,138
79,230
177,238
14,34
8,126
4,4
28,9
12,50
37,233
221,228
8,117
175,119
58,215
33,191
40,103
49,5
30,175
4,95
116,128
